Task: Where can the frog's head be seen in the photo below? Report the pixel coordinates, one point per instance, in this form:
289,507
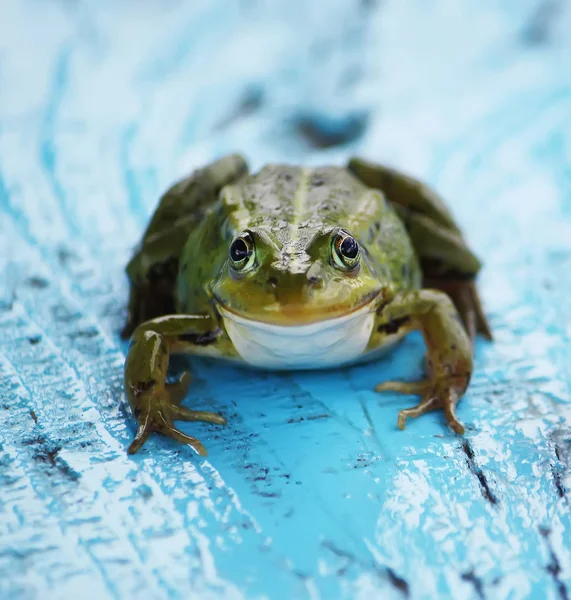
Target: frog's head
297,287
292,280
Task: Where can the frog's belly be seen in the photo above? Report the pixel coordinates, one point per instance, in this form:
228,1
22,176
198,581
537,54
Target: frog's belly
315,346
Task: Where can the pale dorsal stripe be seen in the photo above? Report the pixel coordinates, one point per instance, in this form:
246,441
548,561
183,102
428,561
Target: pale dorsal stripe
298,208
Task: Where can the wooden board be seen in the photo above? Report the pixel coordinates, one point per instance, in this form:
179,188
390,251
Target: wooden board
311,491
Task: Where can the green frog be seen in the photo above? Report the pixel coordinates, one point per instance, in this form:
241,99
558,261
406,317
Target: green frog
298,268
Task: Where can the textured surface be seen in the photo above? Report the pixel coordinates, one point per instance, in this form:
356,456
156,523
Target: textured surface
310,492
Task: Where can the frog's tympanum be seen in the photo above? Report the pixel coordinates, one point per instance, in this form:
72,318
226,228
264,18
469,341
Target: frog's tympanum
298,268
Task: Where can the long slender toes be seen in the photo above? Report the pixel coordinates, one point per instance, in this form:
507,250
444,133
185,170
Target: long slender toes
417,388
403,416
401,420
181,437
415,411
450,414
185,414
140,438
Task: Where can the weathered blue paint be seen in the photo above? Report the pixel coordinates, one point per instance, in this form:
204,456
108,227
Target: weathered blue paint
310,492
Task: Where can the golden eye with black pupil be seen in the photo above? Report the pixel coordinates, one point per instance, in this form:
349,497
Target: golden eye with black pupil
242,252
345,251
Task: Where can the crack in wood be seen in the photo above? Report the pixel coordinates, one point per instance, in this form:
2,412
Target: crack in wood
471,577
539,28
387,573
554,565
558,481
478,473
309,418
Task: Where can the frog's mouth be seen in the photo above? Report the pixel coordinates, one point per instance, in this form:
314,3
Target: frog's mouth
320,344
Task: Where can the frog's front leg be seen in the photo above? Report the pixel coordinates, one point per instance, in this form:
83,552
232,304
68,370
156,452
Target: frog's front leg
153,269
449,351
154,402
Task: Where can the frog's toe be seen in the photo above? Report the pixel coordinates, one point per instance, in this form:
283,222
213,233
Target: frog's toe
177,393
417,388
186,414
449,407
426,405
183,438
164,424
161,420
143,432
435,395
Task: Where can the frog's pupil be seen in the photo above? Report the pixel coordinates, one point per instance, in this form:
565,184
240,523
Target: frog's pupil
239,250
349,247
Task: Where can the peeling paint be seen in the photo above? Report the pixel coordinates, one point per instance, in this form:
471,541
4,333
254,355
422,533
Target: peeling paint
310,491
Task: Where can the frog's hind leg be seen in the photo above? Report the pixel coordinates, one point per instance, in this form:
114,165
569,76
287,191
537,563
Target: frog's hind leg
153,272
447,263
403,190
133,313
153,269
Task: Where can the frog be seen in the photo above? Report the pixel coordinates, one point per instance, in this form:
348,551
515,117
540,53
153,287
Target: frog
298,268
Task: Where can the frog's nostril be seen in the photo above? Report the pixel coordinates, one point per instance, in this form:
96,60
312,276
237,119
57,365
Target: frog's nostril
315,281
314,275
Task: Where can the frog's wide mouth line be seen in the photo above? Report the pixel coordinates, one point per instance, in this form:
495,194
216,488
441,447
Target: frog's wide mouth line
306,323
310,345
298,318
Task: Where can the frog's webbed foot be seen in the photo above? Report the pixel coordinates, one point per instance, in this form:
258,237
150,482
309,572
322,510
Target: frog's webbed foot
155,403
435,395
158,408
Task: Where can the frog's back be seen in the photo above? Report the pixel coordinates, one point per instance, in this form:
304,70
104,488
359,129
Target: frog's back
297,204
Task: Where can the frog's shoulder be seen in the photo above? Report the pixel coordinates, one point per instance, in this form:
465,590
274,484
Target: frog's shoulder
153,269
179,211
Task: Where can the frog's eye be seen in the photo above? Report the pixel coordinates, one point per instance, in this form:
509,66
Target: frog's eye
242,252
345,250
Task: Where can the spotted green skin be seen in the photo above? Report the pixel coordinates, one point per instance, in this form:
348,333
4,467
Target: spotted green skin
415,272
292,214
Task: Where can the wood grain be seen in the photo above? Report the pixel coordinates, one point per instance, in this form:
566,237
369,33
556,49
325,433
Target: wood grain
311,491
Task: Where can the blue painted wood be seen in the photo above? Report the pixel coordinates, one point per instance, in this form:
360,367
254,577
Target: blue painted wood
310,492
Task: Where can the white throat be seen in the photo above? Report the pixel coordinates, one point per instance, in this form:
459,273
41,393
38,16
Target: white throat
315,346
